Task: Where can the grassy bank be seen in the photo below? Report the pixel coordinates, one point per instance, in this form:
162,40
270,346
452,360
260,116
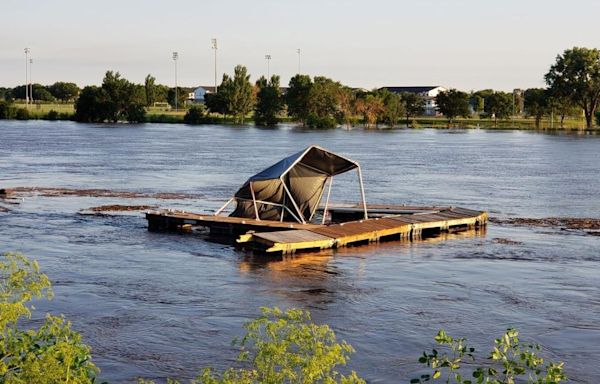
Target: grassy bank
66,111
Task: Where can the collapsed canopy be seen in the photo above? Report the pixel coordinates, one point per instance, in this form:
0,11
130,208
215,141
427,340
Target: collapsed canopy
291,186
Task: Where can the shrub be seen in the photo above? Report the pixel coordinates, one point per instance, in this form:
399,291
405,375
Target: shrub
6,110
52,115
510,361
135,113
194,115
22,114
53,353
316,121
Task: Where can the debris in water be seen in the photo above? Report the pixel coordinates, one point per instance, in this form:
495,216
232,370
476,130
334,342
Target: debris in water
501,240
117,208
59,192
563,223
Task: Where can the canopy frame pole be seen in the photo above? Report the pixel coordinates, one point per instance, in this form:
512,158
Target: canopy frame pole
327,200
293,201
362,191
282,208
320,198
224,206
254,202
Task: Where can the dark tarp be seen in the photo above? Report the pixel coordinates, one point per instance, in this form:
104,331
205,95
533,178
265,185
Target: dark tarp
304,174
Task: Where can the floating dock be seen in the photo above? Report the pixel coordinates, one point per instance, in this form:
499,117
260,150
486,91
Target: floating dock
386,223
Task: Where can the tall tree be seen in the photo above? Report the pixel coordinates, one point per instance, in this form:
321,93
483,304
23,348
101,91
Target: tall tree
64,91
499,105
269,102
150,90
371,107
452,104
414,105
576,75
241,98
536,104
393,107
218,102
297,97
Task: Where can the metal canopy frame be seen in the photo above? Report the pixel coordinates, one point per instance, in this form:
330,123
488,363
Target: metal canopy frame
300,217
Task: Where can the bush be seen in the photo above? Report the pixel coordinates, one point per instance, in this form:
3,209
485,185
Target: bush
22,114
316,121
52,115
135,113
6,110
305,352
194,115
510,361
52,353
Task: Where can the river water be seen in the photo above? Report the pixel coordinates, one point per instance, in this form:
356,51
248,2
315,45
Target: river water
165,305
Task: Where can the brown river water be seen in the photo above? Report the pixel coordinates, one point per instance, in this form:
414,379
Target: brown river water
159,305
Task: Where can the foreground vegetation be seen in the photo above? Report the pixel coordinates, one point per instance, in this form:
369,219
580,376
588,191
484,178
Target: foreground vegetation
278,347
571,99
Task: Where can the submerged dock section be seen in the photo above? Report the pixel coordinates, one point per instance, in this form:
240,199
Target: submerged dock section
286,237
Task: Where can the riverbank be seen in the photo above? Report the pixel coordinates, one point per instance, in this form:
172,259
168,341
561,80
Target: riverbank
66,112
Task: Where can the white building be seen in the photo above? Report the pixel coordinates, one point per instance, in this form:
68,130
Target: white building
197,96
427,92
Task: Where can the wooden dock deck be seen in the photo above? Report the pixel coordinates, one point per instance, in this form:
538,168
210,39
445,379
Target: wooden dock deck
397,223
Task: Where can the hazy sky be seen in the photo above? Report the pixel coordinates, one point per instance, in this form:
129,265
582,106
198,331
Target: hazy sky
465,44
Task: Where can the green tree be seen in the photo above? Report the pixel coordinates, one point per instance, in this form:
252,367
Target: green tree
562,106
536,104
298,96
371,106
194,115
240,94
269,102
452,104
182,96
90,105
477,102
576,75
414,105
510,361
51,354
393,107
64,91
116,99
218,102
286,347
150,90
499,105
324,103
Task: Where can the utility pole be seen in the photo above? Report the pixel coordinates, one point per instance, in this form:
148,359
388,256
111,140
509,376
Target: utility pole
268,58
26,76
214,47
30,81
175,57
298,51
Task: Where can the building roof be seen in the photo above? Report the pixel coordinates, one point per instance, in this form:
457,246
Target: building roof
414,89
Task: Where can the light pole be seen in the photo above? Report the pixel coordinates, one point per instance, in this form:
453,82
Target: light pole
298,51
30,81
175,57
214,47
26,76
268,58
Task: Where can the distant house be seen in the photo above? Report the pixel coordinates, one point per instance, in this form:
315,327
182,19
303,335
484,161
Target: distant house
197,96
427,92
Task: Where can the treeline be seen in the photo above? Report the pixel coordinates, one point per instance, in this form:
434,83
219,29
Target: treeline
317,102
573,90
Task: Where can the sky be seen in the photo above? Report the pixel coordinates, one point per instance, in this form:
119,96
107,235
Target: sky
464,44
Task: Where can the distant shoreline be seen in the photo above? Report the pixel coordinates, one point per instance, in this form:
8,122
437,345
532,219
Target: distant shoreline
65,112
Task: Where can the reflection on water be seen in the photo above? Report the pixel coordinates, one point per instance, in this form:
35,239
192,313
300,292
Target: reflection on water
158,305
